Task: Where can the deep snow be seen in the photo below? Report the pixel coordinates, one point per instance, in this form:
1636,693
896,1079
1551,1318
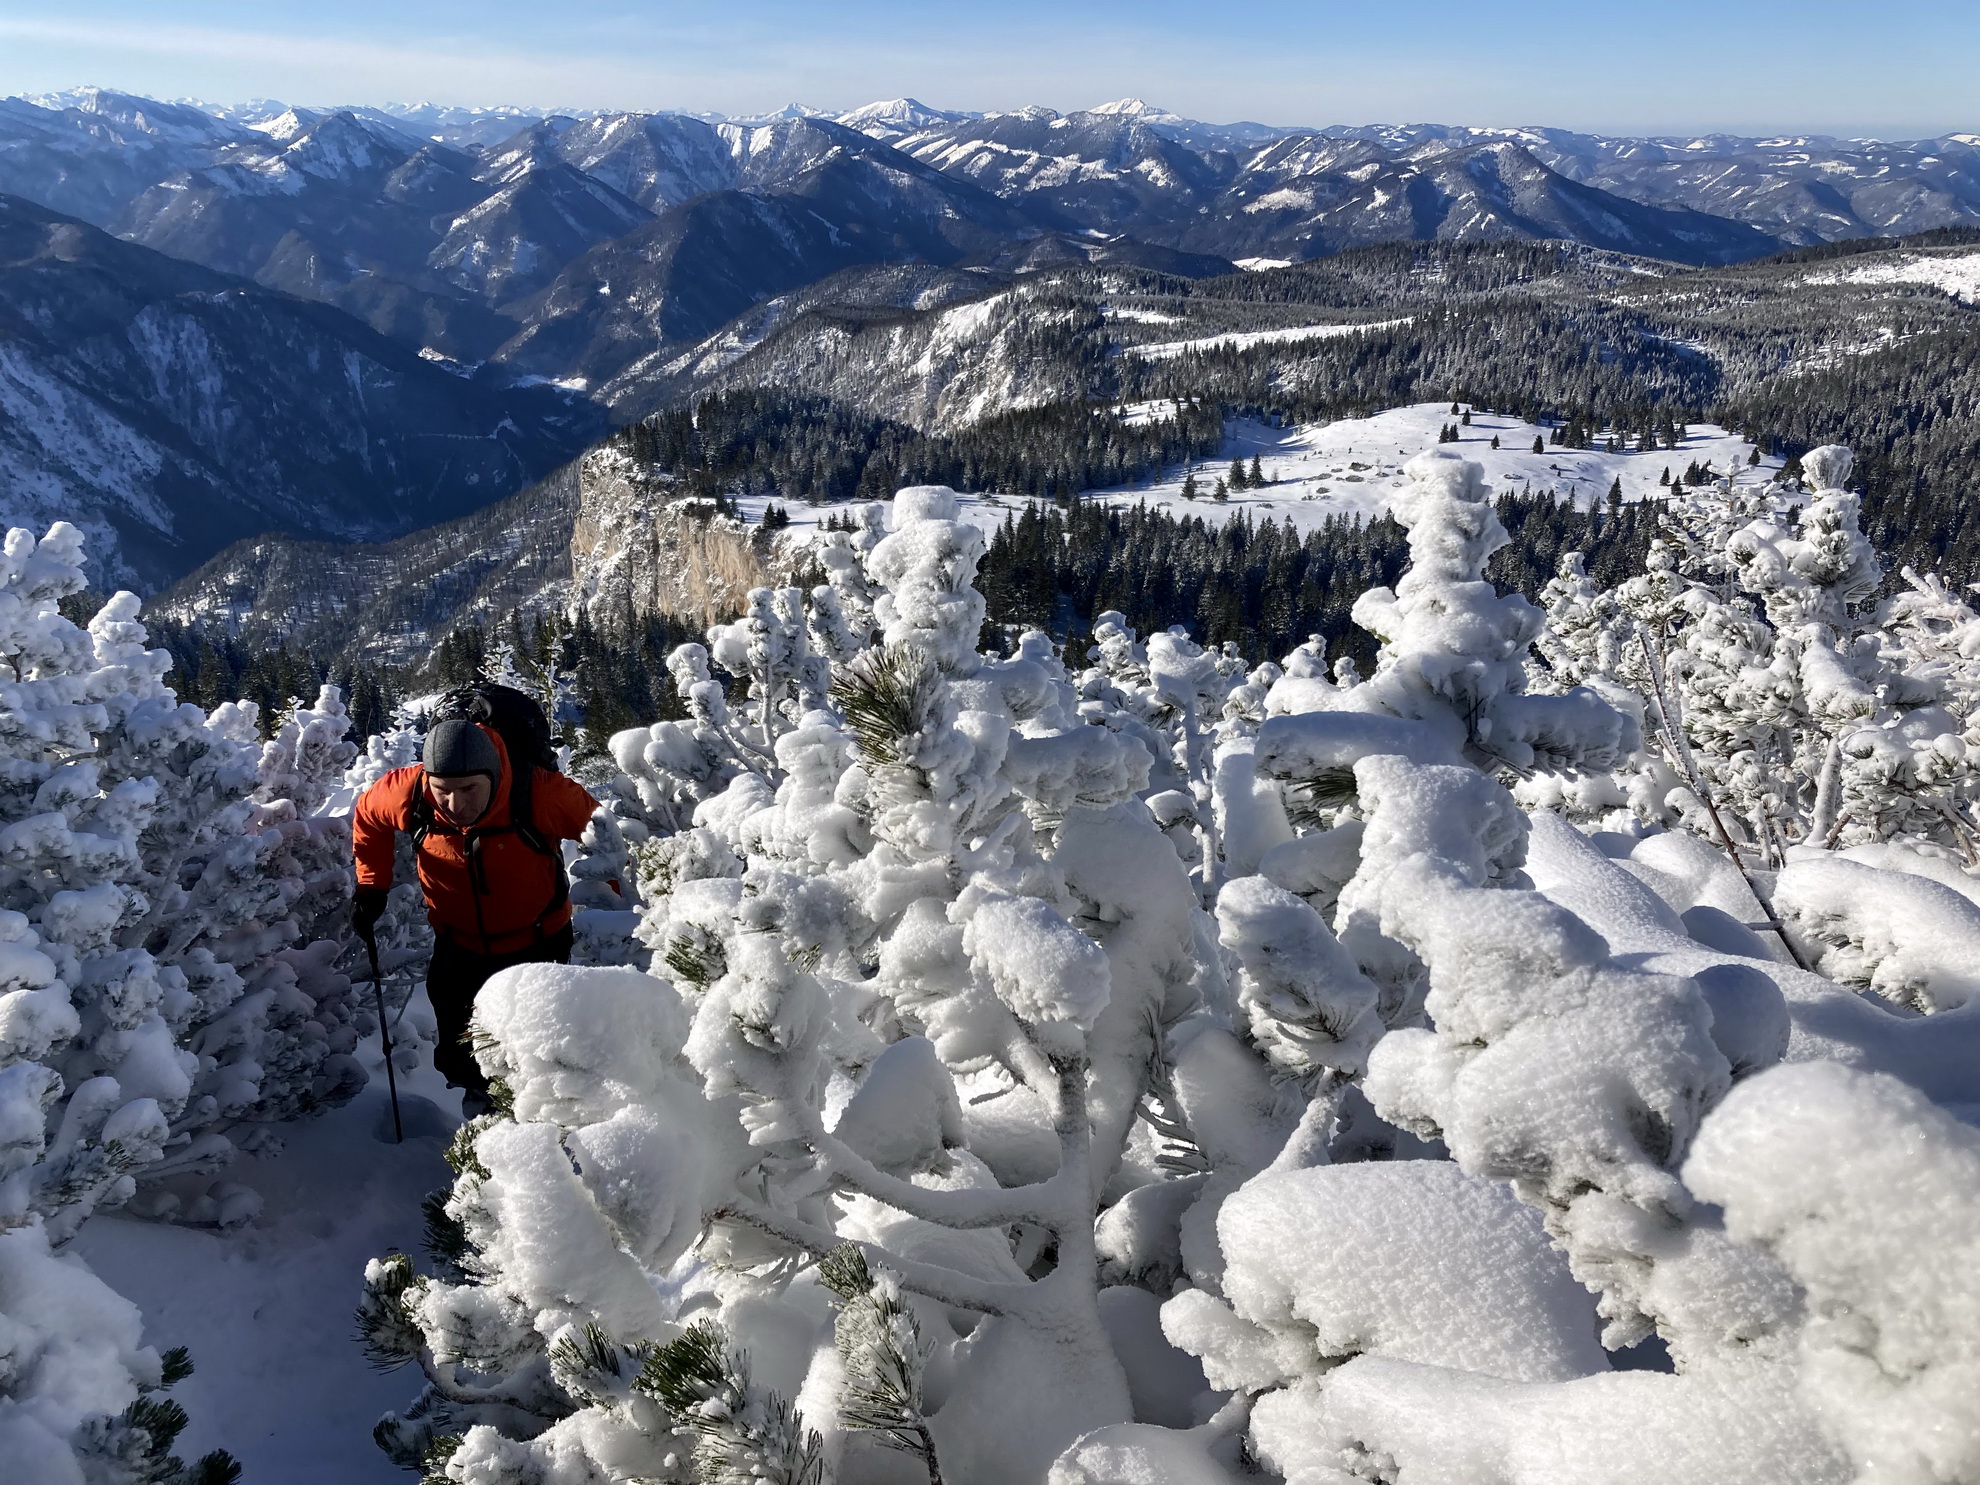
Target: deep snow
279,1379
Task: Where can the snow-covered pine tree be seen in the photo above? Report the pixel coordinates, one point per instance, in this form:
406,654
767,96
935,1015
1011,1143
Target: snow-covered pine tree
936,980
942,884
1790,713
1575,1037
151,1004
82,1398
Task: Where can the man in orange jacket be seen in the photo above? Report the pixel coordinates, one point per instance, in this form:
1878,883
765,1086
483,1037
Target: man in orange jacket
487,838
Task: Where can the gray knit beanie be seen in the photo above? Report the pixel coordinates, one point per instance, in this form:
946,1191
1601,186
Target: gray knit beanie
455,749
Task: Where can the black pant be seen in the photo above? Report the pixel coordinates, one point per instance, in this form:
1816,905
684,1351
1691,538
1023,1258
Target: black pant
454,978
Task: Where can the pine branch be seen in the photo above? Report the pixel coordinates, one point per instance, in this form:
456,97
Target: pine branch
433,1459
1671,734
174,1367
595,1369
698,965
446,1240
944,1286
388,1332
1162,1110
217,1468
1310,803
880,1343
741,1436
885,695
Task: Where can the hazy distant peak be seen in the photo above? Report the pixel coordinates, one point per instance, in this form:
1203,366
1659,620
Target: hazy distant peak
1135,108
788,111
891,118
285,125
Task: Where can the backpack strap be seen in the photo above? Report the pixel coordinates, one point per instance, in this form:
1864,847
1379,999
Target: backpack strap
522,817
419,814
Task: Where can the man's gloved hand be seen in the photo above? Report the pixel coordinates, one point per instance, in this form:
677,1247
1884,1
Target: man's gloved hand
367,907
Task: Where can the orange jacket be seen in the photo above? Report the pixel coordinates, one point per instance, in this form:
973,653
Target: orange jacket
517,884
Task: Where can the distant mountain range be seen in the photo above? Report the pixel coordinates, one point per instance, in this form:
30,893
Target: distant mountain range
542,274
488,234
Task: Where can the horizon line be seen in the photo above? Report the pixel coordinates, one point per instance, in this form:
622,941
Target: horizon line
1110,107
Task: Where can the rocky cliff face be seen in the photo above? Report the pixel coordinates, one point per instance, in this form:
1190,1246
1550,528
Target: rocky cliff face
604,534
638,547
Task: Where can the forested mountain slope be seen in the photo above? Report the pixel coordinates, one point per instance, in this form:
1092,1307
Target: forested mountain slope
167,409
1095,379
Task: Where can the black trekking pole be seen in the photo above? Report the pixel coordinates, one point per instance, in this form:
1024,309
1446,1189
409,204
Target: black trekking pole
385,1034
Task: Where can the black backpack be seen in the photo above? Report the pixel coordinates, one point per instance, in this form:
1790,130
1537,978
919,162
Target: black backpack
515,717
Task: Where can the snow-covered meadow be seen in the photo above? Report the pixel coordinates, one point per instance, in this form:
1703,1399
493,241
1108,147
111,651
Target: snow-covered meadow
1236,340
1956,274
1549,1059
1353,467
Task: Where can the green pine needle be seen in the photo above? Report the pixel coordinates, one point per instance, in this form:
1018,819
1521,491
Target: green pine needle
698,965
174,1367
686,1371
589,1350
216,1468
844,1271
741,1437
885,695
1310,803
446,1240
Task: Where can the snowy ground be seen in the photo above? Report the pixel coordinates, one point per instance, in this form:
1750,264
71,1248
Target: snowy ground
1353,466
1958,276
1238,340
279,1379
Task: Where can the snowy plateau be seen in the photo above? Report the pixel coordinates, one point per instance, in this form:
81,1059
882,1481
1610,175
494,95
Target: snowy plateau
1353,469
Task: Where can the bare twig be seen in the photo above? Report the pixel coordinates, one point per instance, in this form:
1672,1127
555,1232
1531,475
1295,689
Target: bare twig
1670,734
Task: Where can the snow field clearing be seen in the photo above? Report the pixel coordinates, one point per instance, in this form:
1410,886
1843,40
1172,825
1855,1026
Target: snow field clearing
1957,276
1239,340
1353,466
1314,465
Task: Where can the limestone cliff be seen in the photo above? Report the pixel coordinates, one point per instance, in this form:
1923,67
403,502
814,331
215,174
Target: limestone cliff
638,547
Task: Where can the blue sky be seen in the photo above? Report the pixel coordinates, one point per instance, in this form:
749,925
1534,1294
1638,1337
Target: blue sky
1897,68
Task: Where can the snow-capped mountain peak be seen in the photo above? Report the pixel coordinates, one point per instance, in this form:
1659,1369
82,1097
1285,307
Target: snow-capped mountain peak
341,146
1135,108
788,111
891,118
287,124
176,123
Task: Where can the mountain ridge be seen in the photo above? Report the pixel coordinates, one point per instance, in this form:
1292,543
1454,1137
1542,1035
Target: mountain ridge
164,408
